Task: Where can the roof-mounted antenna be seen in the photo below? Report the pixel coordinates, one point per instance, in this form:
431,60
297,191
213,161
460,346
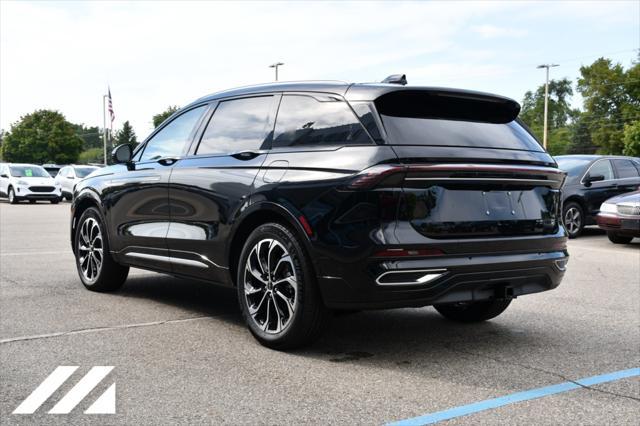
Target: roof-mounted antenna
396,79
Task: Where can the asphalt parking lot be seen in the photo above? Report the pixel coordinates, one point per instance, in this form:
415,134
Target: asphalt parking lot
181,354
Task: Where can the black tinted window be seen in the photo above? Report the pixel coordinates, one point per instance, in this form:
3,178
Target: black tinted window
602,167
238,125
172,139
303,120
625,169
428,131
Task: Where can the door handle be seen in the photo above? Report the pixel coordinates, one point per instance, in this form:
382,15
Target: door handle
246,155
167,161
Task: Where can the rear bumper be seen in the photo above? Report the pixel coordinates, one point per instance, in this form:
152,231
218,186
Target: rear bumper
460,279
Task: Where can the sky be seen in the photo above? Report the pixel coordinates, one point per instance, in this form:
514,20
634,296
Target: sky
64,55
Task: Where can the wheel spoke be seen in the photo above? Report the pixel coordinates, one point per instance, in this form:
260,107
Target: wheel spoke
265,325
285,258
278,317
254,310
255,274
286,301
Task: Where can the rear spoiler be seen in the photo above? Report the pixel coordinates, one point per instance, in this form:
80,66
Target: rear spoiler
448,105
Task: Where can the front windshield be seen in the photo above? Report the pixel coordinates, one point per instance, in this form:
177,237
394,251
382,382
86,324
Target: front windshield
573,166
83,172
28,171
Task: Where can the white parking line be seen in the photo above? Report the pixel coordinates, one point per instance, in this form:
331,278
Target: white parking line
31,253
98,329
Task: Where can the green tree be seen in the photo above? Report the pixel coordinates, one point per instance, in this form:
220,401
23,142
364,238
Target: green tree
632,139
560,114
43,136
126,135
611,99
91,136
91,155
159,118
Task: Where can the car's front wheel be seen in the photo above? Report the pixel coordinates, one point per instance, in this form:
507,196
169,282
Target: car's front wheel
473,311
97,269
618,239
573,218
12,197
278,295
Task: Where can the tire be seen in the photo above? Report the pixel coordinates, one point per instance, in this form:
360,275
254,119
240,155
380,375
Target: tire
473,311
573,218
618,239
104,276
289,289
12,196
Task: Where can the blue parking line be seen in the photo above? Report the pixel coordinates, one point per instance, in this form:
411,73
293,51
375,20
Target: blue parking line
515,397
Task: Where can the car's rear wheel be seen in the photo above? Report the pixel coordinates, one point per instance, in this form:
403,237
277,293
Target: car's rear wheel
97,269
12,196
473,311
278,295
573,218
618,239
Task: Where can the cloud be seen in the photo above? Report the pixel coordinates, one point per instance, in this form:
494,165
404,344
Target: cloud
492,31
62,55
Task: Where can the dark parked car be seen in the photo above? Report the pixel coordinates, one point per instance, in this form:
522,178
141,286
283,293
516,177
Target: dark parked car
592,179
322,196
620,217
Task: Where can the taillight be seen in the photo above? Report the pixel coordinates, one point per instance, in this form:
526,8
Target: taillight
373,176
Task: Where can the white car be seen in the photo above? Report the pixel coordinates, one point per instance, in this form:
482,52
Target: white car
69,176
27,182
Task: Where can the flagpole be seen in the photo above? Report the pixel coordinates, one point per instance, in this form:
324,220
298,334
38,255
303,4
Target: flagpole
104,128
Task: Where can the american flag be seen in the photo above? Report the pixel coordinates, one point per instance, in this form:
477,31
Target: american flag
111,114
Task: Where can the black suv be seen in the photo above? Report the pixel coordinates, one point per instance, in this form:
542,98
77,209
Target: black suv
324,196
591,180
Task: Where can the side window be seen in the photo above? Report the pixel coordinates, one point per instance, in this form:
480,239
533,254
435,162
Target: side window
171,140
303,121
602,167
625,169
63,172
238,125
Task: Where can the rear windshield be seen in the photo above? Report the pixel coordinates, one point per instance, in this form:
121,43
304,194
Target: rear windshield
435,132
441,118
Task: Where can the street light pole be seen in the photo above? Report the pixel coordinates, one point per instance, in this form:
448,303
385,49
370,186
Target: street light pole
104,128
276,65
546,102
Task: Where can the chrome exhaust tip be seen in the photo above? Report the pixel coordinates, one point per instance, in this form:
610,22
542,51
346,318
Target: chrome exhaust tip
409,277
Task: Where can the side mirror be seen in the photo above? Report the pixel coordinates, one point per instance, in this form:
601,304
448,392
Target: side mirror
4,176
122,154
70,177
593,178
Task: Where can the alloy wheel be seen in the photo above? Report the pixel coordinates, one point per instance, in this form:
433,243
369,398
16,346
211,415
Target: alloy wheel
90,249
270,286
572,220
11,196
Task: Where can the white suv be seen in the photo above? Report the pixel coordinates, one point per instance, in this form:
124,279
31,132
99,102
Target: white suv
69,176
27,182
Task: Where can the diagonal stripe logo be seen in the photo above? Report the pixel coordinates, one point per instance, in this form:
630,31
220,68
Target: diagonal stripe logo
105,404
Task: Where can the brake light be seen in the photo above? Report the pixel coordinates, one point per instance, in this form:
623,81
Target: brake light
372,176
